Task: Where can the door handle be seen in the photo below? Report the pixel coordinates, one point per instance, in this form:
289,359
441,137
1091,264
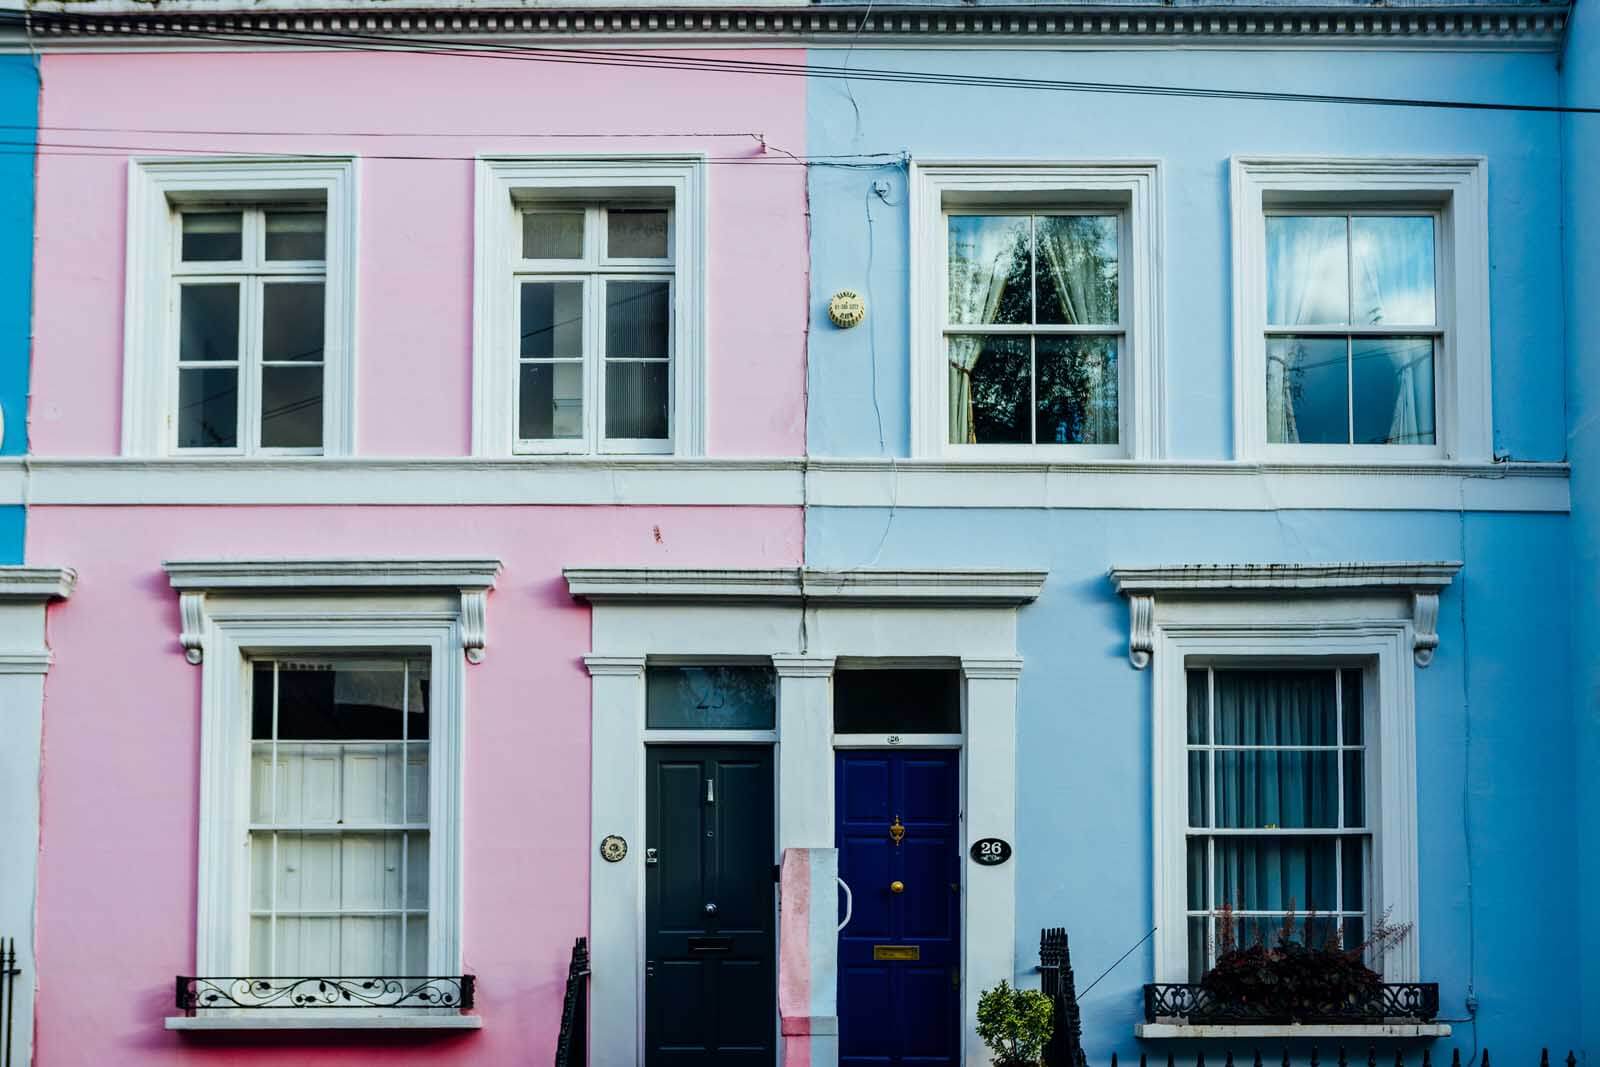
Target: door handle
849,902
897,886
711,907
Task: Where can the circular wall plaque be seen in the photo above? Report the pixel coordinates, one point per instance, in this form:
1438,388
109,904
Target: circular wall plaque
613,848
991,851
846,309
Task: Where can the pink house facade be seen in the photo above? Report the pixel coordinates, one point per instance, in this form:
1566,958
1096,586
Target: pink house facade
406,196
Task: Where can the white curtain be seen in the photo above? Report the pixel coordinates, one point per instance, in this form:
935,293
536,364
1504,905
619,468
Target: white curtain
1079,252
980,261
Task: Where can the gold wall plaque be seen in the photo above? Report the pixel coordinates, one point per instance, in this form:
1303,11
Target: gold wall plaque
897,952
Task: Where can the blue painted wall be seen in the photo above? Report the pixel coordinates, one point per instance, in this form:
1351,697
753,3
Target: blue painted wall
1503,799
1497,800
19,108
1581,146
858,378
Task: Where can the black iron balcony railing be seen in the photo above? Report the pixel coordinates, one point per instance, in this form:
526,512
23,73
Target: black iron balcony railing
312,994
1412,1002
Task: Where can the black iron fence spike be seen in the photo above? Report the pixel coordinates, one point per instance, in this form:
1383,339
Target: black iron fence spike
1486,1056
1372,1056
1572,1059
1314,1056
1285,1058
1399,1058
1169,1059
1544,1057
1455,1058
1342,1061
1427,1059
1257,1061
1228,1061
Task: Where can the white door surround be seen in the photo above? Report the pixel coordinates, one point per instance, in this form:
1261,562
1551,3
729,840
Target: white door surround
804,621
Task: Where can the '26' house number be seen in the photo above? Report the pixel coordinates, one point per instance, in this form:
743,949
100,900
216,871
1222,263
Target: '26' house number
991,851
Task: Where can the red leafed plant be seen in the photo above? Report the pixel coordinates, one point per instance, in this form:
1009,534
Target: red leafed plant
1291,981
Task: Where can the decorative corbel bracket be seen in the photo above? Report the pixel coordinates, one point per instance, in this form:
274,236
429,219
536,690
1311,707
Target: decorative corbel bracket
474,622
191,635
1357,588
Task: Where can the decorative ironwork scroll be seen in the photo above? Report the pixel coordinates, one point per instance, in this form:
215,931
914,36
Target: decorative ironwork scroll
199,994
1394,1001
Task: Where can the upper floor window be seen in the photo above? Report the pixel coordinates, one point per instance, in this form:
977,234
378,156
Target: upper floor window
1352,329
1361,310
239,317
594,288
589,322
1035,324
249,292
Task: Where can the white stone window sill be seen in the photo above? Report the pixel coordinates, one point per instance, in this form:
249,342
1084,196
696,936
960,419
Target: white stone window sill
1291,1030
322,1020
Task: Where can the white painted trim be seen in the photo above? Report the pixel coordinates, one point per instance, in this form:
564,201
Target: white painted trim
1415,584
1509,25
1293,1031
1367,625
897,740
1133,185
322,1019
1135,486
238,622
155,185
763,620
1457,187
500,181
886,587
36,583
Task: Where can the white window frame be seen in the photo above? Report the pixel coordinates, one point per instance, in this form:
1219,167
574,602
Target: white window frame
237,611
158,189
1455,191
1132,189
505,185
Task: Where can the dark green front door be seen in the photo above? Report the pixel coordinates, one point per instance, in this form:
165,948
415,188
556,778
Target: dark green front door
710,986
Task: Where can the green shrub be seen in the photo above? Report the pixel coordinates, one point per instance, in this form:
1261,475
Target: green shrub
1015,1024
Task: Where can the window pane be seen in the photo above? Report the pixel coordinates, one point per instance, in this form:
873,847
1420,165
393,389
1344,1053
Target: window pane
990,390
261,701
1199,789
1354,863
291,407
292,321
1199,949
1355,806
208,323
1199,706
1307,391
552,319
1307,271
709,698
1269,790
212,236
208,408
1392,379
989,269
1197,873
1391,267
910,701
552,235
550,401
638,317
297,235
1077,393
1077,269
636,400
1350,688
636,234
337,701
1275,873
1264,707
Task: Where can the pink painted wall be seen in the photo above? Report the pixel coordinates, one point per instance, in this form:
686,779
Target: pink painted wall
414,329
121,762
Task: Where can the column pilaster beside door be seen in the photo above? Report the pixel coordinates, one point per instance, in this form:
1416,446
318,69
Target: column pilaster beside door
805,751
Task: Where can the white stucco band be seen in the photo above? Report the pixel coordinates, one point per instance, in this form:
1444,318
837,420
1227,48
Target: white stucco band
805,622
25,592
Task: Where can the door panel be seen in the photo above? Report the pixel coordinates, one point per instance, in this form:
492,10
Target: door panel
900,1011
710,987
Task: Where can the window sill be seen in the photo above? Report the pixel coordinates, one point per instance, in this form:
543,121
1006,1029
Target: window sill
322,1020
1290,1031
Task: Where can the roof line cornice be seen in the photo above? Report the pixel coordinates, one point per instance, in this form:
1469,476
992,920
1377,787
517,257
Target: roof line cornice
1508,26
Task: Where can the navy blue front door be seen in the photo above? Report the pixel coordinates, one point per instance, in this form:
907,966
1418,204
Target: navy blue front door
899,841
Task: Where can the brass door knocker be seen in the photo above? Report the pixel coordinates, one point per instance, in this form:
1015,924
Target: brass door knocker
897,832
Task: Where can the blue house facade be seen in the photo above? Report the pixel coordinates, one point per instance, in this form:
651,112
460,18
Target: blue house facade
1194,168
19,109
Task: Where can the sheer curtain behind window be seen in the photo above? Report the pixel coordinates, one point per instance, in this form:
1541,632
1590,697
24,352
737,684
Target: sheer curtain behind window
980,262
1079,254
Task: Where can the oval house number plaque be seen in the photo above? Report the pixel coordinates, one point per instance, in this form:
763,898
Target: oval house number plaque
991,851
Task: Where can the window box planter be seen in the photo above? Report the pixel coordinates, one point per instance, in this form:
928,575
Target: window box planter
381,1002
1403,1003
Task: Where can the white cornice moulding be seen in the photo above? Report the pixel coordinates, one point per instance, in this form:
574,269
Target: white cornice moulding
1420,582
787,482
37,583
471,579
804,666
1510,25
877,587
